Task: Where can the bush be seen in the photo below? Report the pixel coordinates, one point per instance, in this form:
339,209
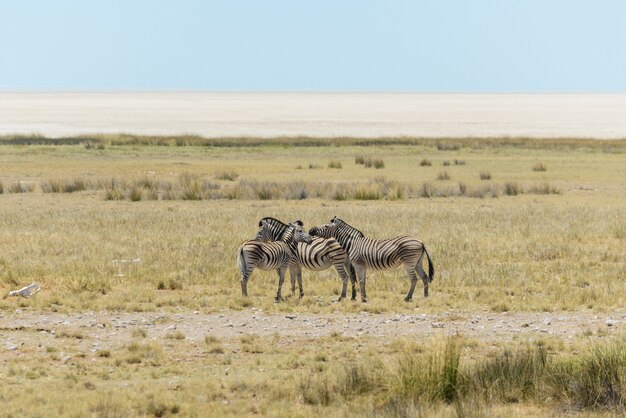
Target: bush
379,164
443,176
544,188
448,147
446,163
228,175
540,167
425,163
512,189
459,162
334,164
485,175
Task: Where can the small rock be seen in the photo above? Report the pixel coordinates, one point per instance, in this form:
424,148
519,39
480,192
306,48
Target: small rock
437,324
610,322
547,321
291,316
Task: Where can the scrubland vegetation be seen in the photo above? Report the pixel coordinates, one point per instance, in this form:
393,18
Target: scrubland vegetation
504,236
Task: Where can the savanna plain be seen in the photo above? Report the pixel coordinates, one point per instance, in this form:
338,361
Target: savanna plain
526,314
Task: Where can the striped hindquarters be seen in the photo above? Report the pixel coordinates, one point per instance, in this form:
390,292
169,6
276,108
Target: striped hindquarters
264,255
388,253
321,254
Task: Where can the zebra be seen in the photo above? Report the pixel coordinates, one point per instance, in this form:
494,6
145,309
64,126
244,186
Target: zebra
365,252
318,255
268,256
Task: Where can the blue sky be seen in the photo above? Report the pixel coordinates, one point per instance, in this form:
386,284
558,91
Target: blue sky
431,46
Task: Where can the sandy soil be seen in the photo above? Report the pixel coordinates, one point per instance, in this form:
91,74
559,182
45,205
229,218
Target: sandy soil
21,331
315,114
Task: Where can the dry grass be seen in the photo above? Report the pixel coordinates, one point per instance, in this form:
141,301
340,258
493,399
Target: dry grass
532,241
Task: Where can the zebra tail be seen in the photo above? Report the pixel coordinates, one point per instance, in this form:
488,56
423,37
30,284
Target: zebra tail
241,260
431,268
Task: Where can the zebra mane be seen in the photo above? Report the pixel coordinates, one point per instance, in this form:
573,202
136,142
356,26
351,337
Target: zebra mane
353,229
273,221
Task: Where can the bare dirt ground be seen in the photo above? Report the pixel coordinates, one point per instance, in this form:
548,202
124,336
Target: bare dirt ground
23,331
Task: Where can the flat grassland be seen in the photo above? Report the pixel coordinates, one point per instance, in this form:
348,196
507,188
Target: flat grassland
514,227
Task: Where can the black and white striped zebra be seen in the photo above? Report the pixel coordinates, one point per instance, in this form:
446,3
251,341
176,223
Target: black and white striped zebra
318,255
365,252
274,255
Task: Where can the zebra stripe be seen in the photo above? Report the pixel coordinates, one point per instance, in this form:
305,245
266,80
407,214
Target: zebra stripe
365,252
319,255
274,255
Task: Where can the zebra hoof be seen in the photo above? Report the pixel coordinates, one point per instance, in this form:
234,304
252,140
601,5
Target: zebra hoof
342,297
353,299
408,299
278,299
363,300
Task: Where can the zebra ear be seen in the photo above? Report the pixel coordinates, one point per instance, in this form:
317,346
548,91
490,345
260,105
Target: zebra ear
262,222
299,222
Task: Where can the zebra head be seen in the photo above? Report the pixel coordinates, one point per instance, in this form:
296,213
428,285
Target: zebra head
326,231
298,234
266,232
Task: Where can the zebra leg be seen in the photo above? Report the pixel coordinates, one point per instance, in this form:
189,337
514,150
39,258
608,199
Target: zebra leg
410,271
293,273
341,270
423,275
281,280
244,284
352,280
300,282
360,270
245,276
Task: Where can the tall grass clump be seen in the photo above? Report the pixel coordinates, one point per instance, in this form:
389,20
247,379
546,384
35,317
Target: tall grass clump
376,163
63,186
334,164
359,159
485,175
425,163
443,176
1,187
596,381
510,376
228,175
429,378
540,167
21,187
512,189
459,162
448,147
543,188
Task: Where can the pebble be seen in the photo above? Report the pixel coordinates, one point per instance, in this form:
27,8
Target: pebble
437,324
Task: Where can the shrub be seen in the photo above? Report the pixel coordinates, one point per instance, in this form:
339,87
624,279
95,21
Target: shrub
448,147
19,187
510,376
378,163
446,163
334,164
1,187
366,193
459,162
425,163
443,176
512,189
544,188
485,175
228,175
427,190
135,194
359,159
540,167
